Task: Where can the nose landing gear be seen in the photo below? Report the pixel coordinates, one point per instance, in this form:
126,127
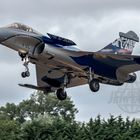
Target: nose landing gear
26,59
25,64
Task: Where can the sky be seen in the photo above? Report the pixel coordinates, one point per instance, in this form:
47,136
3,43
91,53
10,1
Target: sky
92,25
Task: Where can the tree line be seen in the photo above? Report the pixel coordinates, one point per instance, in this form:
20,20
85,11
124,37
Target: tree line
44,117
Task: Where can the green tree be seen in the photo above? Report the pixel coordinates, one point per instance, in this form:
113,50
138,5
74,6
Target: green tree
44,117
8,111
49,128
39,104
9,130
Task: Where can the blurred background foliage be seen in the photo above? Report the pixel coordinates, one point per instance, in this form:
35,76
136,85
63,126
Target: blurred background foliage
44,117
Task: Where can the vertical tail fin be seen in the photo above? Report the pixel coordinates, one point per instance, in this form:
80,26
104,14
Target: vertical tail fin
123,45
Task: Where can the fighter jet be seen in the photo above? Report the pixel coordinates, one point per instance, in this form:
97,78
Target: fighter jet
60,64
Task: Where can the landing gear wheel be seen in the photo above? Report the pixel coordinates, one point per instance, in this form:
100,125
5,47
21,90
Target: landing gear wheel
94,85
61,94
25,74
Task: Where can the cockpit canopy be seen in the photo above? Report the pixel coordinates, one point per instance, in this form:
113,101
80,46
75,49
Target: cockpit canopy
22,27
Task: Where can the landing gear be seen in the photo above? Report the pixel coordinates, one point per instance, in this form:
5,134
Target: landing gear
25,74
25,64
61,94
93,83
25,58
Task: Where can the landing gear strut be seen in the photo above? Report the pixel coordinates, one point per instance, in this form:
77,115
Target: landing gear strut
25,58
93,83
61,94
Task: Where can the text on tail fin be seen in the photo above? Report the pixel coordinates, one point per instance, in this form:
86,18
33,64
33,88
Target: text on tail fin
123,45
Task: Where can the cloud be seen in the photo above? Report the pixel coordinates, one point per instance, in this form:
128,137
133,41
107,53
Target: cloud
91,24
62,8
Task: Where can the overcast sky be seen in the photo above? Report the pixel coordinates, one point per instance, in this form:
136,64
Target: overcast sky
92,24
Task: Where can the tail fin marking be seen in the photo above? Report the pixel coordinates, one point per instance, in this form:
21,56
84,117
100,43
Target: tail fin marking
123,45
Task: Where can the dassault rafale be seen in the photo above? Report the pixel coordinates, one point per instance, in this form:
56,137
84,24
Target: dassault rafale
60,64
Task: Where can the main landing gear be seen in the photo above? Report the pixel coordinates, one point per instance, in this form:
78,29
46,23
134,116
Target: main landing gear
61,94
25,58
93,83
